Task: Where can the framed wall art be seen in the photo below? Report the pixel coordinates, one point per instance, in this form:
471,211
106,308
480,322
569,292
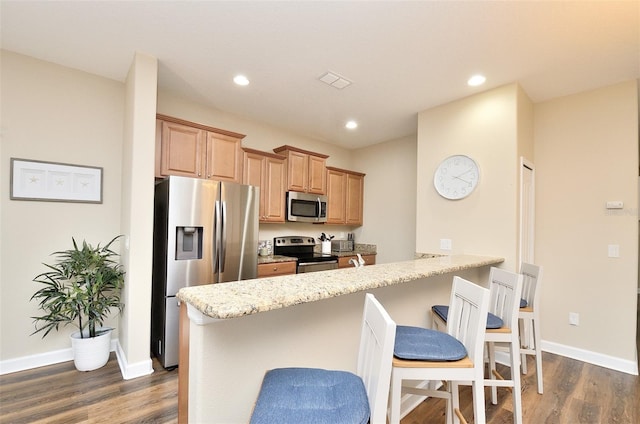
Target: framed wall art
55,182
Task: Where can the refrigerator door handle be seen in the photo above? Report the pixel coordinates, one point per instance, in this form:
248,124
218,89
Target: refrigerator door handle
217,227
223,244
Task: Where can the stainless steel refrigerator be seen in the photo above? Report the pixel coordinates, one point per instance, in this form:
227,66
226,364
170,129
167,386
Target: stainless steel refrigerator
205,232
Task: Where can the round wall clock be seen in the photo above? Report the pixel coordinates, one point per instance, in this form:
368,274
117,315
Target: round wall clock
456,177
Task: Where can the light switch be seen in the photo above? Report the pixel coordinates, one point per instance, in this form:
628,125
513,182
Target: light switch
615,204
445,244
614,250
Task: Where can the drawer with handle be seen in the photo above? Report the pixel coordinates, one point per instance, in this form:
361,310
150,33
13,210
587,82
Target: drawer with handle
276,268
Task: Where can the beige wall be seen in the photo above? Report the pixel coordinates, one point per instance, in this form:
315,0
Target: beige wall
587,153
137,214
389,198
57,114
484,127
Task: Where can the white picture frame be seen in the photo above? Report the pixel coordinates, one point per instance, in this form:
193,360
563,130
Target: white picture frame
55,182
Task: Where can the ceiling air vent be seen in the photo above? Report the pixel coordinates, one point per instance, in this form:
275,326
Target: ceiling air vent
335,80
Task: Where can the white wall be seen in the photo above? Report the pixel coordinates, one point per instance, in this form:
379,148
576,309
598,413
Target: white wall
57,114
586,153
389,198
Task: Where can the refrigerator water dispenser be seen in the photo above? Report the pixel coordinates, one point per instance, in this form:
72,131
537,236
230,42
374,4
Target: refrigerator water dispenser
188,243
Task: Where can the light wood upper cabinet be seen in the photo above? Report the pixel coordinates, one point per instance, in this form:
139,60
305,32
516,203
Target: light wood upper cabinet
267,171
306,171
181,150
200,151
354,198
336,196
224,158
345,191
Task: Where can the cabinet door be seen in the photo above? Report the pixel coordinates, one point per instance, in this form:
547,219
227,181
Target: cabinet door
317,175
336,186
343,261
298,173
253,174
354,199
273,190
182,150
275,269
224,160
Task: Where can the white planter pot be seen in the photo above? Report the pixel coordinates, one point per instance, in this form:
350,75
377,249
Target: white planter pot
90,353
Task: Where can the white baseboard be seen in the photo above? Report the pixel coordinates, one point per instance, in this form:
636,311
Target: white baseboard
600,359
41,360
127,370
134,370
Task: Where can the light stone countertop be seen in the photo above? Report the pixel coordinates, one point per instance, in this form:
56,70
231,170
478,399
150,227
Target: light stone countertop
247,297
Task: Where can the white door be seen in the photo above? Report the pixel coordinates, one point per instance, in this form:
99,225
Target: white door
527,211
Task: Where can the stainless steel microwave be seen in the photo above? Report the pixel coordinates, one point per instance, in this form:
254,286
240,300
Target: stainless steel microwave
304,207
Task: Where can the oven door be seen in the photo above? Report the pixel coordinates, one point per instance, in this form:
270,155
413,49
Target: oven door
316,266
303,207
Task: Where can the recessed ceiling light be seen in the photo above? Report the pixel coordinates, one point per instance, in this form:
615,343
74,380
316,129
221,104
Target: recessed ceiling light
352,125
241,80
476,80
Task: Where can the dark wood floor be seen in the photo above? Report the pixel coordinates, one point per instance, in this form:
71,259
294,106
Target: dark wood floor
574,392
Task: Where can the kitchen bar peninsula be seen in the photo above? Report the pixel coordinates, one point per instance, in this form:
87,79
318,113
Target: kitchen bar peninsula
232,333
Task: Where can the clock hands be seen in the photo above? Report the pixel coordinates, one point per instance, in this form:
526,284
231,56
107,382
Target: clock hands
459,175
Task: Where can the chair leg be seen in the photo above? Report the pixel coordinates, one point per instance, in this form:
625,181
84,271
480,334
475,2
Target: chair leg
492,367
394,399
514,352
452,386
477,388
524,325
538,349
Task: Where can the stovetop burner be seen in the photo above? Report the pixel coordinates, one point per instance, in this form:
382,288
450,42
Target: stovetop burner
301,247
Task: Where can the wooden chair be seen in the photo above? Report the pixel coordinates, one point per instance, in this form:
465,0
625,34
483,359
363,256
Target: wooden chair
529,316
454,356
304,395
506,289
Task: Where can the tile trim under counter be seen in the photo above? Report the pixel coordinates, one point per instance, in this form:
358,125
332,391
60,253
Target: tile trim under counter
210,303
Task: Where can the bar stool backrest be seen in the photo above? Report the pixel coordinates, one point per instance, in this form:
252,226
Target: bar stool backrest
466,312
375,356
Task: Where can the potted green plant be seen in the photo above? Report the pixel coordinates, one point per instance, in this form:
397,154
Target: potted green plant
80,289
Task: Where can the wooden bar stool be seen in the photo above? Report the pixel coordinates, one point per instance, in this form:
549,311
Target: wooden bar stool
312,395
454,356
506,290
529,315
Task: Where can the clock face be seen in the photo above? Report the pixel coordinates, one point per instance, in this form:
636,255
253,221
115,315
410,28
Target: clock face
456,177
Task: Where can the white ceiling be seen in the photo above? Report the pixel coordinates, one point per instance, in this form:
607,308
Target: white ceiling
402,57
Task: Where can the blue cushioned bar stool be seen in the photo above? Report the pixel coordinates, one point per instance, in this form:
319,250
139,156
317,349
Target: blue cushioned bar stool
502,327
454,356
312,395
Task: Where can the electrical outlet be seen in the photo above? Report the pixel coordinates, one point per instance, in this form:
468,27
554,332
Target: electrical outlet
574,318
445,244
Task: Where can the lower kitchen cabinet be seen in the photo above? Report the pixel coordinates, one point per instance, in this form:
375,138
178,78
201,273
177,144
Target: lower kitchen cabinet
276,268
343,261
